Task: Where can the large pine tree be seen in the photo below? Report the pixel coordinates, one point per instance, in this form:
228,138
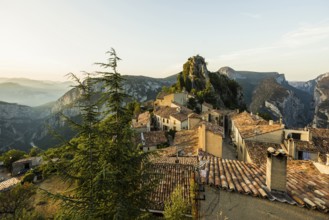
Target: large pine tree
110,175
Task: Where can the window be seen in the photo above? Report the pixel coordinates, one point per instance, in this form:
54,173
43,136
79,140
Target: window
163,120
296,136
167,120
303,155
174,128
174,122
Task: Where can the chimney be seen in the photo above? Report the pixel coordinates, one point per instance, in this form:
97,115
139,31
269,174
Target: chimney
202,137
270,122
327,160
237,111
276,170
280,120
291,148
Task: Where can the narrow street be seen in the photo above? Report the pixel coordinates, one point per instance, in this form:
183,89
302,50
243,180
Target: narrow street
229,151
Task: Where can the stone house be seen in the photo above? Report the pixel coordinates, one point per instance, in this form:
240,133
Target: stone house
22,165
166,99
172,118
245,126
307,144
142,123
151,140
206,107
219,117
204,136
301,150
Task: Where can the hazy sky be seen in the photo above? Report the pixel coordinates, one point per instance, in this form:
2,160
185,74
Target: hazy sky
46,39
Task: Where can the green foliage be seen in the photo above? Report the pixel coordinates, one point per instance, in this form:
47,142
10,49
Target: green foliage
193,190
28,177
228,89
172,133
188,84
133,108
16,203
34,152
265,116
191,103
11,156
110,174
176,206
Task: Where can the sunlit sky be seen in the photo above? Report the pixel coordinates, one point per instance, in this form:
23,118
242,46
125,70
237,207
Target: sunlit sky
46,39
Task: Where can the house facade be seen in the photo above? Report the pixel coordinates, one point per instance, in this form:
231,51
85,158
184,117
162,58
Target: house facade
248,127
172,118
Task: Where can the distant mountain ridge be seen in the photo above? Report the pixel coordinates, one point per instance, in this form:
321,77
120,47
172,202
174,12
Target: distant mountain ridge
31,92
22,126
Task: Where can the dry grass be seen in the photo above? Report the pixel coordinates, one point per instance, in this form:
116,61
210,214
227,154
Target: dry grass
44,204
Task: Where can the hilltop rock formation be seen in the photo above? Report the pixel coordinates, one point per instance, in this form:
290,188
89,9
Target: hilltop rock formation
212,87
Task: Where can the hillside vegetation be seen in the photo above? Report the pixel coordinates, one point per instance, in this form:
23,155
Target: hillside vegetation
211,87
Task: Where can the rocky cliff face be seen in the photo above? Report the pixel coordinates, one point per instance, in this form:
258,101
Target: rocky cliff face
304,86
144,88
270,93
321,101
17,123
280,101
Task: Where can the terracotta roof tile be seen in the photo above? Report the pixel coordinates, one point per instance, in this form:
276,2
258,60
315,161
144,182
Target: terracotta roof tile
142,120
171,175
152,138
253,125
258,151
165,111
180,113
216,129
172,160
305,146
194,115
306,186
187,141
7,184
